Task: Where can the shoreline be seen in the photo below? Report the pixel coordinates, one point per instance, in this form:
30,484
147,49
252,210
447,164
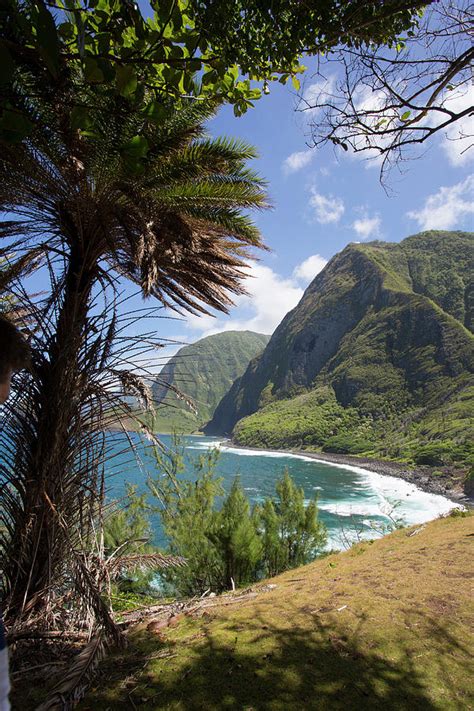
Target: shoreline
445,484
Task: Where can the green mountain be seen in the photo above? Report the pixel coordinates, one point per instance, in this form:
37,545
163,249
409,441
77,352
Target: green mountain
377,358
202,372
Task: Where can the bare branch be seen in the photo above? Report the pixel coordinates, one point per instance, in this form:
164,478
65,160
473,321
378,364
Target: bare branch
385,102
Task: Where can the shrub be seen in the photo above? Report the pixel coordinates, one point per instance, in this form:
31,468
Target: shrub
232,544
346,443
434,454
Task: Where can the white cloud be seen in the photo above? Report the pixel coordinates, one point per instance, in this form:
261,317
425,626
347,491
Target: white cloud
327,208
459,136
447,208
298,160
367,227
270,296
320,90
307,270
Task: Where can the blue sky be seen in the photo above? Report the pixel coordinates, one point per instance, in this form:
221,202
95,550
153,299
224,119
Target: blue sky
322,200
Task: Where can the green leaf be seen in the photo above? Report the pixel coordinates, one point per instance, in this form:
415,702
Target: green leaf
92,72
126,79
14,126
296,83
80,118
136,147
234,72
66,30
48,39
405,116
156,112
209,77
194,65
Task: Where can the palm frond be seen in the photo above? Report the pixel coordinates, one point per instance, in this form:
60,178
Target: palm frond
69,691
144,562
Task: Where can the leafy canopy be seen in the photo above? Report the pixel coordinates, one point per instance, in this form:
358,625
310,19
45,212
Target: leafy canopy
198,48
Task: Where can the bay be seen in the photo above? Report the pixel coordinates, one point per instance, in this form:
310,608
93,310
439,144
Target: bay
354,503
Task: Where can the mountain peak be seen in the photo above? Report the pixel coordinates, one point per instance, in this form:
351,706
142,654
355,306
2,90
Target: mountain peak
382,335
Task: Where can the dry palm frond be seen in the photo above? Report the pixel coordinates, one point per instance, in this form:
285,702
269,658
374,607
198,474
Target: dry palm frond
144,562
133,384
73,685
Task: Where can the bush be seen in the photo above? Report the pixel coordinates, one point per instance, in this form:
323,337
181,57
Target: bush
434,454
347,444
232,544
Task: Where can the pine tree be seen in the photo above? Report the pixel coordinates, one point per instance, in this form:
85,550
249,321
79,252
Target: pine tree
127,532
292,533
188,515
237,539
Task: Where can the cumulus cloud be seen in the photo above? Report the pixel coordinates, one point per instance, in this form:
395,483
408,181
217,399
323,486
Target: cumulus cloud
307,270
270,296
447,208
366,227
296,161
327,209
319,90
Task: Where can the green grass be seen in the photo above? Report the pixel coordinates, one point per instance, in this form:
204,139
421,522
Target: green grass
387,625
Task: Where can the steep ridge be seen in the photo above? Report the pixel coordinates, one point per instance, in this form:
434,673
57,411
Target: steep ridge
378,356
203,372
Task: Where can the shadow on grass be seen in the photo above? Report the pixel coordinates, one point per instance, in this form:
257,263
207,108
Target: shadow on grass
315,668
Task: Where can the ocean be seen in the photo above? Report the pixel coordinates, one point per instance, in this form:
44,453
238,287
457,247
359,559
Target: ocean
354,503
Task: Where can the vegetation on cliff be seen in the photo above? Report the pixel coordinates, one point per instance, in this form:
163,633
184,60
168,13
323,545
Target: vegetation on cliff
377,358
203,371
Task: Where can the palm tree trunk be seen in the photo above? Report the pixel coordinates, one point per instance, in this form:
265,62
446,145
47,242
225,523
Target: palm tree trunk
40,543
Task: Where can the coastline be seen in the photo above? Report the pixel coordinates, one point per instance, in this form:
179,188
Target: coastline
445,484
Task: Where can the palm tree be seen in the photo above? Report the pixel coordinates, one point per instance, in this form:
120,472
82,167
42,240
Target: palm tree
157,203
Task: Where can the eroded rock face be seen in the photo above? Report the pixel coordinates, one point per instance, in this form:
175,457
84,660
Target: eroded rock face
381,320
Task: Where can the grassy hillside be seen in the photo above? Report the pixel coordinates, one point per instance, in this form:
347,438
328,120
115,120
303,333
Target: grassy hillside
377,358
387,625
203,371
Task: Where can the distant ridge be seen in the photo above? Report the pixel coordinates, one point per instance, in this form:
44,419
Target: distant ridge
203,372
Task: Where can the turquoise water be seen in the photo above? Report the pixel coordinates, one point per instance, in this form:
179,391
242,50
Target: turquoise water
353,502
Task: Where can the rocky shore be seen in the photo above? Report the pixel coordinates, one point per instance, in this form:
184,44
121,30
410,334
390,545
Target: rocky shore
446,482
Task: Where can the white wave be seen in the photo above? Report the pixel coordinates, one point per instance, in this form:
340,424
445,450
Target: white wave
346,510
263,453
397,498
